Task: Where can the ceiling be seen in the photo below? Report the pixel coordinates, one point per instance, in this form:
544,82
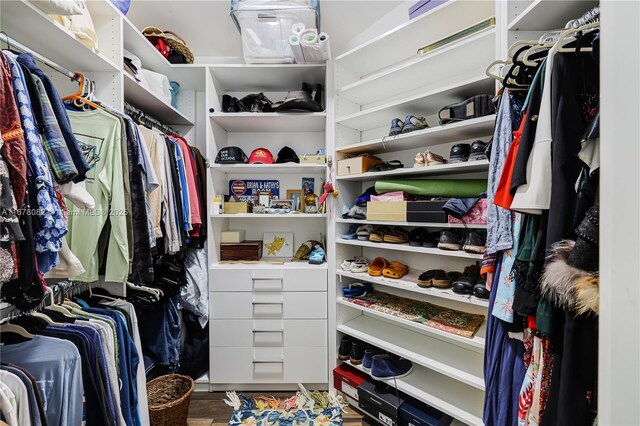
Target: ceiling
208,30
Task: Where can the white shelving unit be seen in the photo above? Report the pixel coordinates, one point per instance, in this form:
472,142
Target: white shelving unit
141,98
376,82
302,295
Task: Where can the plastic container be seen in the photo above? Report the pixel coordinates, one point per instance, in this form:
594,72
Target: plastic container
266,25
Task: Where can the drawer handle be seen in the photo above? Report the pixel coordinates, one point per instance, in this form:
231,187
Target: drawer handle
266,303
268,362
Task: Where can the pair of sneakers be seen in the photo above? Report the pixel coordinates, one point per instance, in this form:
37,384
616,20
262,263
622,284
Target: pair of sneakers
411,123
471,241
356,265
428,158
463,152
379,364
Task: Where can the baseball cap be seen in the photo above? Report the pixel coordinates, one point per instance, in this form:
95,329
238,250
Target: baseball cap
287,155
231,155
261,156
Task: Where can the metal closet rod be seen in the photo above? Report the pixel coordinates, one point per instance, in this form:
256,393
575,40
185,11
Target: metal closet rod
13,43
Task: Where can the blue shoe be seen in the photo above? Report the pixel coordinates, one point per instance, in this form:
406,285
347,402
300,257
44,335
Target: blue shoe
368,357
387,367
316,257
351,233
413,123
356,290
396,127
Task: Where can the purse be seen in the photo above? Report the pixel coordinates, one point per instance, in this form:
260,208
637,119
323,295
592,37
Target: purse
474,107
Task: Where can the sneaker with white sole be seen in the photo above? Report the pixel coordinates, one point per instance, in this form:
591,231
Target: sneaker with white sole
396,127
359,265
413,123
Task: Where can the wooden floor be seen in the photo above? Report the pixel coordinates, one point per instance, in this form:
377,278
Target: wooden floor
208,409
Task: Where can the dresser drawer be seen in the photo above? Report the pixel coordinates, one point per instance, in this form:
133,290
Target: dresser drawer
268,305
268,365
269,279
268,333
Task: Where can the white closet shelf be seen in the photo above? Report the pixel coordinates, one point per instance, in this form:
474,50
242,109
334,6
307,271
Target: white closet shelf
266,77
286,168
444,169
422,104
412,224
267,265
270,121
190,77
403,41
148,102
542,15
404,284
438,390
419,139
269,216
30,26
475,343
434,354
406,247
472,53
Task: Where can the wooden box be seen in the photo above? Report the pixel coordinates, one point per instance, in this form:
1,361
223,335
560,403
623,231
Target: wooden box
248,250
393,211
234,208
356,165
313,159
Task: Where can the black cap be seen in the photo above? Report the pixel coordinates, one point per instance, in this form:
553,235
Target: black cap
231,155
287,155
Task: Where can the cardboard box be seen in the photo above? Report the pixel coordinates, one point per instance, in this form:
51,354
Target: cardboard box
347,380
313,159
416,413
232,236
381,401
393,211
235,208
434,217
356,165
248,250
423,6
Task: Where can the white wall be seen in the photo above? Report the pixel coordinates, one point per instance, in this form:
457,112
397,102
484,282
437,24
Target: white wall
619,355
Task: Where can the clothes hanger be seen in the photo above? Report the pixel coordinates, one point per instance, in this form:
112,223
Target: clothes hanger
493,64
12,328
45,318
570,32
60,309
77,98
71,303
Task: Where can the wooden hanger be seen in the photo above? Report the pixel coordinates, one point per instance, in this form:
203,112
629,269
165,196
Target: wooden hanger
78,98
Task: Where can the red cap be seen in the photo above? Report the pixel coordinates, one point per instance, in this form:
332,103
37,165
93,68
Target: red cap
261,156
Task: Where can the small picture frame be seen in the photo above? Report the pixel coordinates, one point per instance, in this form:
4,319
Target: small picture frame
264,198
297,195
281,204
308,185
277,245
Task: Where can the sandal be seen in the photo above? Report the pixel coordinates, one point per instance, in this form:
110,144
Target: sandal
356,290
396,236
377,266
395,270
418,160
359,265
377,235
433,159
386,166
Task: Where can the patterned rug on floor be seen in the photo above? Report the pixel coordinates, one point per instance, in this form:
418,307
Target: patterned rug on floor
450,320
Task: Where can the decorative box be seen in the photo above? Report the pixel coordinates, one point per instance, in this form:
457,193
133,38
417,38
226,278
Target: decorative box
416,413
232,236
356,165
248,250
380,401
235,208
393,211
426,211
347,380
313,159
423,6
477,215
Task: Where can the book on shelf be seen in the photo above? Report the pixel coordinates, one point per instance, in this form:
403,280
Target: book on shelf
487,23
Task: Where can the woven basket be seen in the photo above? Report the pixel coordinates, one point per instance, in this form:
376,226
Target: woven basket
169,398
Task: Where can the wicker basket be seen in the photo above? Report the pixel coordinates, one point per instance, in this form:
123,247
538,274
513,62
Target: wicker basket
169,398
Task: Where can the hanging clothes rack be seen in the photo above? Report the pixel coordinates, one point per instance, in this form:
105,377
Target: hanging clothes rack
19,46
146,120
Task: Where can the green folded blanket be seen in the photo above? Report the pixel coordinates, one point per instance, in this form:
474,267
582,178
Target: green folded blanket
460,188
